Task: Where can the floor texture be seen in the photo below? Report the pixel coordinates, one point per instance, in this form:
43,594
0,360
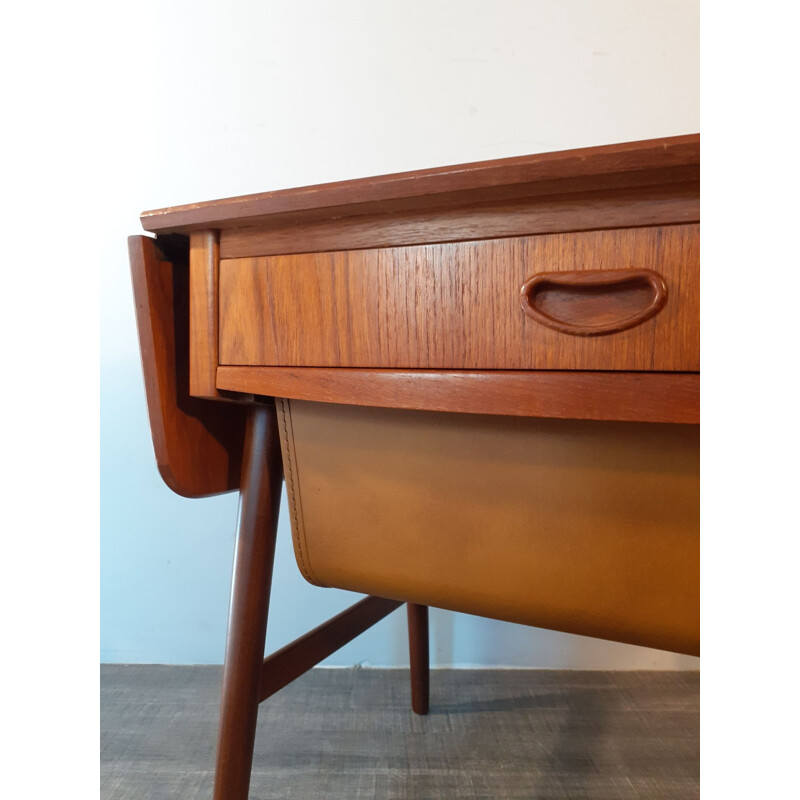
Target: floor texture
351,734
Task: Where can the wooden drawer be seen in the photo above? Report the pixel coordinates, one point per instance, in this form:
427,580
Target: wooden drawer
459,305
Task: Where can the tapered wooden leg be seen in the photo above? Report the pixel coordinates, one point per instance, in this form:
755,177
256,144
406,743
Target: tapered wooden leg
247,623
419,657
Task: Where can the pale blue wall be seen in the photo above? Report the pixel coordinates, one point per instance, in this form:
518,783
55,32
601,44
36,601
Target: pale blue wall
219,99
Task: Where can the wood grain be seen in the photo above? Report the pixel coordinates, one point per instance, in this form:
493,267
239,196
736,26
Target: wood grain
662,204
203,313
198,444
653,161
621,396
593,302
453,306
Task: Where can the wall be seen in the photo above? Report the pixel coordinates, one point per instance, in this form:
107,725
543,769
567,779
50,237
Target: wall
215,99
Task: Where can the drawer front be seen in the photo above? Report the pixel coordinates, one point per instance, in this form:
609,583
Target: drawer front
599,300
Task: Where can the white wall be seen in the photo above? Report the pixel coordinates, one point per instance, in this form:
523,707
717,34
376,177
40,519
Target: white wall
210,99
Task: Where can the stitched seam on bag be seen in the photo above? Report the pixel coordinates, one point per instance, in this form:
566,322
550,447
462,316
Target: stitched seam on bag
294,491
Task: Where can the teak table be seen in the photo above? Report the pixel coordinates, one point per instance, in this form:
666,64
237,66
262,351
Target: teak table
481,383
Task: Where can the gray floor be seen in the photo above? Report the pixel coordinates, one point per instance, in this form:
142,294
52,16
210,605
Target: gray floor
351,734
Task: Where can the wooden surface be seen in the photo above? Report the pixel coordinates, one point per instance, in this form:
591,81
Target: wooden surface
645,163
620,396
593,302
663,204
454,306
203,313
262,476
198,444
339,734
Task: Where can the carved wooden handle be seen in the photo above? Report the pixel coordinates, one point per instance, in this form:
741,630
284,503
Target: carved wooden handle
593,302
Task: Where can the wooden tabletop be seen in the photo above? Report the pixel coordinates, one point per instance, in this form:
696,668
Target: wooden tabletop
654,161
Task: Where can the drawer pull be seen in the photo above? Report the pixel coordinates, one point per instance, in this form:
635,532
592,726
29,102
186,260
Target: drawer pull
593,302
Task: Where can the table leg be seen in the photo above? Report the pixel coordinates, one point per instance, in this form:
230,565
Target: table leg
247,623
419,657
